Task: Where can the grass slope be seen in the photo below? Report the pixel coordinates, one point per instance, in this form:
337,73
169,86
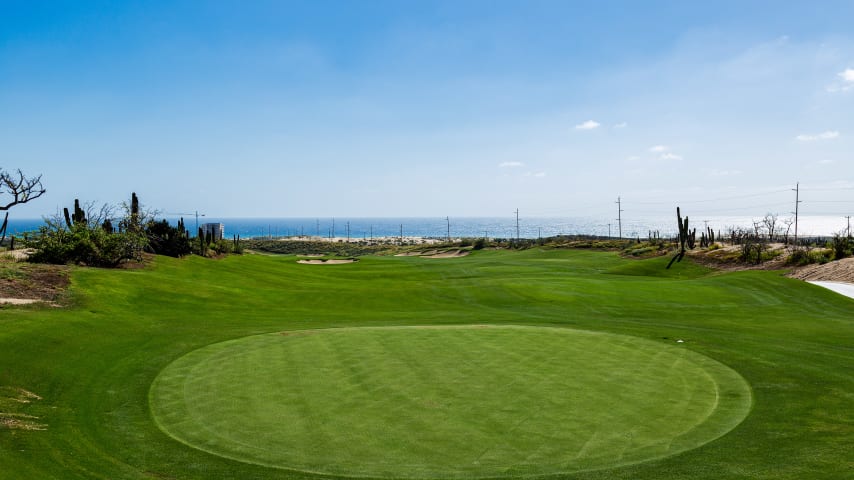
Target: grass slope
93,364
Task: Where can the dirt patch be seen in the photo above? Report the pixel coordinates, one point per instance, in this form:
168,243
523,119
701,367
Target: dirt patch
13,399
726,258
838,271
18,255
328,262
22,283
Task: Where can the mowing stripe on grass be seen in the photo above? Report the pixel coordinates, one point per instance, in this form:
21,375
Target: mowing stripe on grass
446,402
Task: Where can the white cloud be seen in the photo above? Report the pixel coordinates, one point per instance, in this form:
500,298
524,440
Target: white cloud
511,164
826,161
535,174
846,82
633,158
828,135
659,148
670,156
588,125
621,125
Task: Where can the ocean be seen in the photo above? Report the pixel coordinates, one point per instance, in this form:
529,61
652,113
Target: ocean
492,227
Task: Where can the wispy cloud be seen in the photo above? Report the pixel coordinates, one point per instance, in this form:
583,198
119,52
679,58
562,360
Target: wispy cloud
670,156
588,125
828,135
826,161
621,125
633,158
659,148
845,83
511,164
535,174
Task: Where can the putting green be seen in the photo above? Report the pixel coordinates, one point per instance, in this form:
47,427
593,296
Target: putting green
446,402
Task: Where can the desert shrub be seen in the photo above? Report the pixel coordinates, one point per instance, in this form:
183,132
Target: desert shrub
806,256
841,246
164,239
85,244
222,247
479,244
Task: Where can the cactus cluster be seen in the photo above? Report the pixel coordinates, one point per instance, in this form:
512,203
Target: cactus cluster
79,216
707,238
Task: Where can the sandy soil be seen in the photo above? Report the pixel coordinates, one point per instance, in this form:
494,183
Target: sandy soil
18,255
838,271
22,283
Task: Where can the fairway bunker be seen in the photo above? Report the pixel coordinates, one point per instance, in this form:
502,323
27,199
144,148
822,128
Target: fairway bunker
446,402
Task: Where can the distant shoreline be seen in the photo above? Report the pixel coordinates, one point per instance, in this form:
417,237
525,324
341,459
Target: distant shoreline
365,228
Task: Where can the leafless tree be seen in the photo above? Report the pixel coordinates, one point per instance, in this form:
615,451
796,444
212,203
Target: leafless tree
788,222
21,189
770,224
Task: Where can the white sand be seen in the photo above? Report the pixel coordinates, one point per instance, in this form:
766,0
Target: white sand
325,262
19,301
841,288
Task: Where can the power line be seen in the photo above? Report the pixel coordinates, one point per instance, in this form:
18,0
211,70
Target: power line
797,186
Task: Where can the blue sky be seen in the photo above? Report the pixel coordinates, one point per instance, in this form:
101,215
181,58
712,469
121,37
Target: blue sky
461,108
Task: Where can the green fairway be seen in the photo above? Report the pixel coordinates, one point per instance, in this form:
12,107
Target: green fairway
446,402
96,381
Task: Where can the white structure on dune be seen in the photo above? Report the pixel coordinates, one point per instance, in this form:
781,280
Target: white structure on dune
217,230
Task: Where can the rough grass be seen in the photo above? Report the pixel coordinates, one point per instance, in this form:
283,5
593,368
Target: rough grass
94,364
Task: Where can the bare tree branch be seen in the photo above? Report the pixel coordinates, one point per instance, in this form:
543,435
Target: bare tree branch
20,187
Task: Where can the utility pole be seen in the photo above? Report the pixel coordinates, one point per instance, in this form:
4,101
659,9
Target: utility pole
448,219
401,234
517,224
372,234
797,192
609,230
318,227
539,232
849,225
619,218
333,228
348,232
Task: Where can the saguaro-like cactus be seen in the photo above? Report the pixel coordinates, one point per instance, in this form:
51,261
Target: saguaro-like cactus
685,236
79,216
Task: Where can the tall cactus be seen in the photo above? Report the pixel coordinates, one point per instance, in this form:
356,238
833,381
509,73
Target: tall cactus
685,237
77,218
134,204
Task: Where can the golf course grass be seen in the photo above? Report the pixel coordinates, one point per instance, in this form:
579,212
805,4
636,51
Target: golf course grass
256,367
446,402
